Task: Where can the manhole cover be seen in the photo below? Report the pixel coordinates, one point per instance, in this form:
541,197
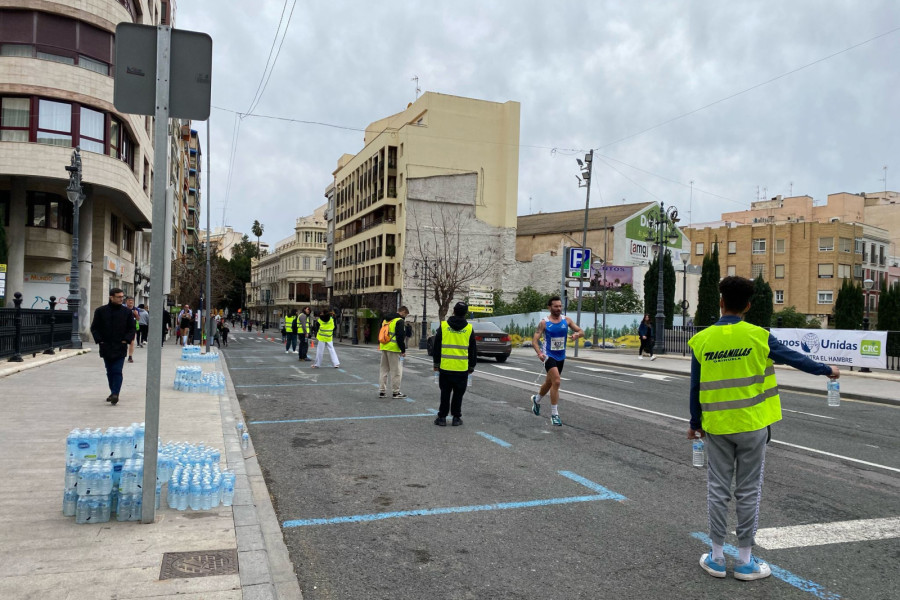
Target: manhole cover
199,564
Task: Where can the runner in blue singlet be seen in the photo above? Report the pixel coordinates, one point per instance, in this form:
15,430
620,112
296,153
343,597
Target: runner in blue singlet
552,353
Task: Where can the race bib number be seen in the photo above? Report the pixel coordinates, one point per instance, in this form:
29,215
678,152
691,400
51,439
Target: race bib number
557,344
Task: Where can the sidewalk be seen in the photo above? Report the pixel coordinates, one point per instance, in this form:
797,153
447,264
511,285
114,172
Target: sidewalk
880,387
44,555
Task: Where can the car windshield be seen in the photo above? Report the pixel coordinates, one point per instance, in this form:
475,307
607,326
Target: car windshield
487,326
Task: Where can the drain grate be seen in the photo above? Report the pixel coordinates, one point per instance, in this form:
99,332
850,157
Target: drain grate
199,564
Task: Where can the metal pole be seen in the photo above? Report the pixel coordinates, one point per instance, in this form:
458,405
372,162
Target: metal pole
157,271
209,321
684,306
660,294
423,341
605,244
74,300
354,337
587,203
562,278
49,349
17,320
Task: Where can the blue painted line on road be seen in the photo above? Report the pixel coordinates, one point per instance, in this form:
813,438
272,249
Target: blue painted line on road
441,511
340,419
256,385
352,374
496,440
608,494
784,575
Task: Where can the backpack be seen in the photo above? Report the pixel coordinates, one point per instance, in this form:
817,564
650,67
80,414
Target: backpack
384,335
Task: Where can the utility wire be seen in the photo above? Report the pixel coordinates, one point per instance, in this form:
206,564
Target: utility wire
272,69
262,78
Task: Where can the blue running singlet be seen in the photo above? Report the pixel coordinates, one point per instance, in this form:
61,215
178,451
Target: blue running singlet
555,335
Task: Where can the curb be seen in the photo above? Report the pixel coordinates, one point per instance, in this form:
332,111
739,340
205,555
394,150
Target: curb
788,387
39,362
265,565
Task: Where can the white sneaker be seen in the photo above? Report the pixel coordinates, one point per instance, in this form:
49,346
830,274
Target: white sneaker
640,357
652,358
287,351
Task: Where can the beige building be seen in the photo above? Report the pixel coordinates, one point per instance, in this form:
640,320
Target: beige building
443,153
804,262
56,90
293,276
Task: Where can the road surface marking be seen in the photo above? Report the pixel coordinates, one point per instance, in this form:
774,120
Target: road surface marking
428,414
820,534
526,371
656,376
604,495
786,576
256,385
496,440
800,412
607,378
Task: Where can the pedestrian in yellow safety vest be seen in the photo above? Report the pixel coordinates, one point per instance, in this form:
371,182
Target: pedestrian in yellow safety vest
290,331
733,400
303,323
325,336
455,357
392,352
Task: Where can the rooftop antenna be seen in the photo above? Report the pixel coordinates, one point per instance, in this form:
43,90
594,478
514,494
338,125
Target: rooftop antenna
691,206
884,180
791,193
418,89
529,205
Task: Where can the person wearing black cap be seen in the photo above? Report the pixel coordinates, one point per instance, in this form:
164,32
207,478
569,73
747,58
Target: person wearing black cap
454,357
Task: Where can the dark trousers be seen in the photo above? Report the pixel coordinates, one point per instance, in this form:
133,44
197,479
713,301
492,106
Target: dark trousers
291,342
302,345
142,334
114,373
647,346
452,383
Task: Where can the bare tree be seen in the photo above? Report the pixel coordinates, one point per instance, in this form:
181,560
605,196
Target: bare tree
456,256
190,276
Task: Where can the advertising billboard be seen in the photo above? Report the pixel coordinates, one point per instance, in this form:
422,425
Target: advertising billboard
615,277
840,347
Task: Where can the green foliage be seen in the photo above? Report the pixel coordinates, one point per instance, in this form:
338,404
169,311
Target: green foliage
813,323
761,307
708,301
849,306
889,307
790,318
651,287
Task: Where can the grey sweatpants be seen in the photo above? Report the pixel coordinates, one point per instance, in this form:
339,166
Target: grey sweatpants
741,457
390,367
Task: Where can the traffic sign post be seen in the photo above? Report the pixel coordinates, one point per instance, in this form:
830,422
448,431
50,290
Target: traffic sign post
579,262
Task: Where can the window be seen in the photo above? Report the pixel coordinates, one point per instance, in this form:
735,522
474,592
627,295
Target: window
54,123
858,245
319,265
306,263
49,211
114,143
93,65
826,271
730,271
844,271
826,297
758,270
779,271
698,248
872,257
114,229
779,296
732,247
826,244
14,119
779,246
857,271
759,246
92,126
67,60
127,239
25,50
845,244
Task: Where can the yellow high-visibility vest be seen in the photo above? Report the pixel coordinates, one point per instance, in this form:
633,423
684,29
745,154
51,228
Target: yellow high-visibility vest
391,346
326,330
455,347
290,324
738,391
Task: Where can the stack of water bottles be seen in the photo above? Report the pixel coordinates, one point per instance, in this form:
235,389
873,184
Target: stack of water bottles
194,478
194,354
193,379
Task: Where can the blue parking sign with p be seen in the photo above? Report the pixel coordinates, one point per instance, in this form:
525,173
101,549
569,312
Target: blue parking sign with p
579,257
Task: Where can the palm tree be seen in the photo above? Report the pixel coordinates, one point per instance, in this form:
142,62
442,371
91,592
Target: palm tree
257,230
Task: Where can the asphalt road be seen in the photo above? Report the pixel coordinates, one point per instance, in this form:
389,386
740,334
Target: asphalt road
377,502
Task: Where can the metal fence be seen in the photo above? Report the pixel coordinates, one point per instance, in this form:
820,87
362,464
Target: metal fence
29,331
677,338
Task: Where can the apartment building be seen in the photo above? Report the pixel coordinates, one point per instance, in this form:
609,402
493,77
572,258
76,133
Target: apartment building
804,262
56,91
444,154
293,276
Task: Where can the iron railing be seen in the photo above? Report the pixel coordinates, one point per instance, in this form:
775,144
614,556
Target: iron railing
29,330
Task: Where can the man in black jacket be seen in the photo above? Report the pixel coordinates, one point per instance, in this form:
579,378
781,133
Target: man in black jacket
113,328
455,357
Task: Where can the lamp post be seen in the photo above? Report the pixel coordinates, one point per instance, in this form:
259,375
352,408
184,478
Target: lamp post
868,283
583,182
597,265
354,337
75,193
661,227
685,257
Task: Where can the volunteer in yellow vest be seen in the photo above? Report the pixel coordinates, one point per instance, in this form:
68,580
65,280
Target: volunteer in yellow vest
454,357
391,353
734,399
290,330
303,322
325,337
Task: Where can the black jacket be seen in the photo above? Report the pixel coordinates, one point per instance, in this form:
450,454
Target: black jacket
399,330
456,324
113,329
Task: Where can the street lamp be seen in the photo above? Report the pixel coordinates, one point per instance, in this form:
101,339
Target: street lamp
423,340
685,258
661,228
868,283
354,337
597,265
75,193
584,182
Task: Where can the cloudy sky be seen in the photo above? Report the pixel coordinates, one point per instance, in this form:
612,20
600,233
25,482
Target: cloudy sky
744,98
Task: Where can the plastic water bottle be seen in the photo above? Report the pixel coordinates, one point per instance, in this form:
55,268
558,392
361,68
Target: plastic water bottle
469,383
83,510
72,447
240,427
834,392
436,374
71,476
70,503
698,458
245,440
227,488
